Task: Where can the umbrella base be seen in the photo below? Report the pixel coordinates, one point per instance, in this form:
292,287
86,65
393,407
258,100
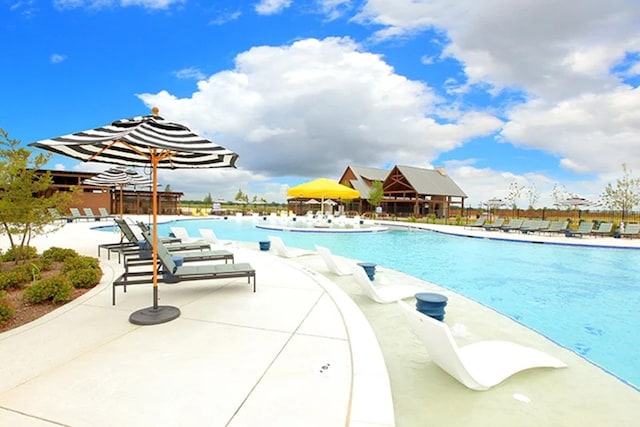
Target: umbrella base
154,316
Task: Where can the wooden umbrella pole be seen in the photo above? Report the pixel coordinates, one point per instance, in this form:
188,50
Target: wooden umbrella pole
154,210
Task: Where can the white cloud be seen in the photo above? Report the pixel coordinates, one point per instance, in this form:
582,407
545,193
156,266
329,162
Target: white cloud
560,55
271,7
334,9
223,18
97,4
57,58
190,73
312,108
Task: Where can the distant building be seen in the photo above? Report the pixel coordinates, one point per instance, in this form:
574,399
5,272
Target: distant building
94,197
408,190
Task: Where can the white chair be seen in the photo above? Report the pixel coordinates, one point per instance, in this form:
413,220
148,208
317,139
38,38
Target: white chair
210,236
480,365
183,235
380,291
332,263
282,250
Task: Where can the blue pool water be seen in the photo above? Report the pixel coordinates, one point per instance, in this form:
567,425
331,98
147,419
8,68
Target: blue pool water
585,299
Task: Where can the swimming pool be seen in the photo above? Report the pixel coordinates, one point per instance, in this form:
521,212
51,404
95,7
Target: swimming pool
585,299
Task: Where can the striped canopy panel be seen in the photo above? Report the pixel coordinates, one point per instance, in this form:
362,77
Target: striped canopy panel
119,175
135,141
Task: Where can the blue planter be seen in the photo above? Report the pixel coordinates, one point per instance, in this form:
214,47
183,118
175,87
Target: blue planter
264,246
369,268
431,304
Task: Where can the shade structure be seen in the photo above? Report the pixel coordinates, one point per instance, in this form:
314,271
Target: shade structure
576,202
119,176
147,141
323,188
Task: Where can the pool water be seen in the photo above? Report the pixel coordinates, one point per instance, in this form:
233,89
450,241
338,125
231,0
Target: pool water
585,299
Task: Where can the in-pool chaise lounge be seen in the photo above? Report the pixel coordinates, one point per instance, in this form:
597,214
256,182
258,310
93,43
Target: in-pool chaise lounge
332,264
210,236
381,291
481,365
284,251
182,234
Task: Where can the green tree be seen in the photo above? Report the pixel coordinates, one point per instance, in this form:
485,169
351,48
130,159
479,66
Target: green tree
24,210
241,197
376,193
208,200
167,188
625,195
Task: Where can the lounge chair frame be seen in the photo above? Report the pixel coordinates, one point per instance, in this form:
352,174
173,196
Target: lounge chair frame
171,273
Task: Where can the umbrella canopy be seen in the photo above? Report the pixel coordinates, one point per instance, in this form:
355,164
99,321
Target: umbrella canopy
323,188
311,202
144,141
119,176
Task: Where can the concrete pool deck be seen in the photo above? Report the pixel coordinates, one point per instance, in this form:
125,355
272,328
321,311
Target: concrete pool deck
306,349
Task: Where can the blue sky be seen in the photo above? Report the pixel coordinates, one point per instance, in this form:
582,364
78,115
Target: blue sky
535,92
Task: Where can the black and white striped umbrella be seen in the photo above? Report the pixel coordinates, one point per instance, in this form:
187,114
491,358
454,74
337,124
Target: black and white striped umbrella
142,141
119,176
148,141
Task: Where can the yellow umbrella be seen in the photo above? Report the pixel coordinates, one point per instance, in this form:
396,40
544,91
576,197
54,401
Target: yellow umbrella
323,188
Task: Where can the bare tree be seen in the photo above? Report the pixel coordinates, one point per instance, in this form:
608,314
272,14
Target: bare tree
515,190
533,195
625,195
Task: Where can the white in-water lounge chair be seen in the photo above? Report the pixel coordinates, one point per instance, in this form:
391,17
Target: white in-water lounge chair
284,251
182,234
380,291
210,236
339,269
480,365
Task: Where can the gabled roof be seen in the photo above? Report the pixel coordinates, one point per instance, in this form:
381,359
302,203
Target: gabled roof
370,174
433,182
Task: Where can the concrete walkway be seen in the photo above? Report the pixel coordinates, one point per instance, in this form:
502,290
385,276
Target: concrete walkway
297,352
307,349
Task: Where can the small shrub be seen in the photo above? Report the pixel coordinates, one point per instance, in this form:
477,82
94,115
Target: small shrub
6,307
80,263
43,264
59,254
21,274
56,289
85,277
17,252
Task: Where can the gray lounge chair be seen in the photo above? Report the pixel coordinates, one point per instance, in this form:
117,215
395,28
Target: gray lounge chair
88,212
499,222
513,225
631,231
105,214
584,229
556,227
479,223
604,229
57,217
133,245
173,273
75,214
531,225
